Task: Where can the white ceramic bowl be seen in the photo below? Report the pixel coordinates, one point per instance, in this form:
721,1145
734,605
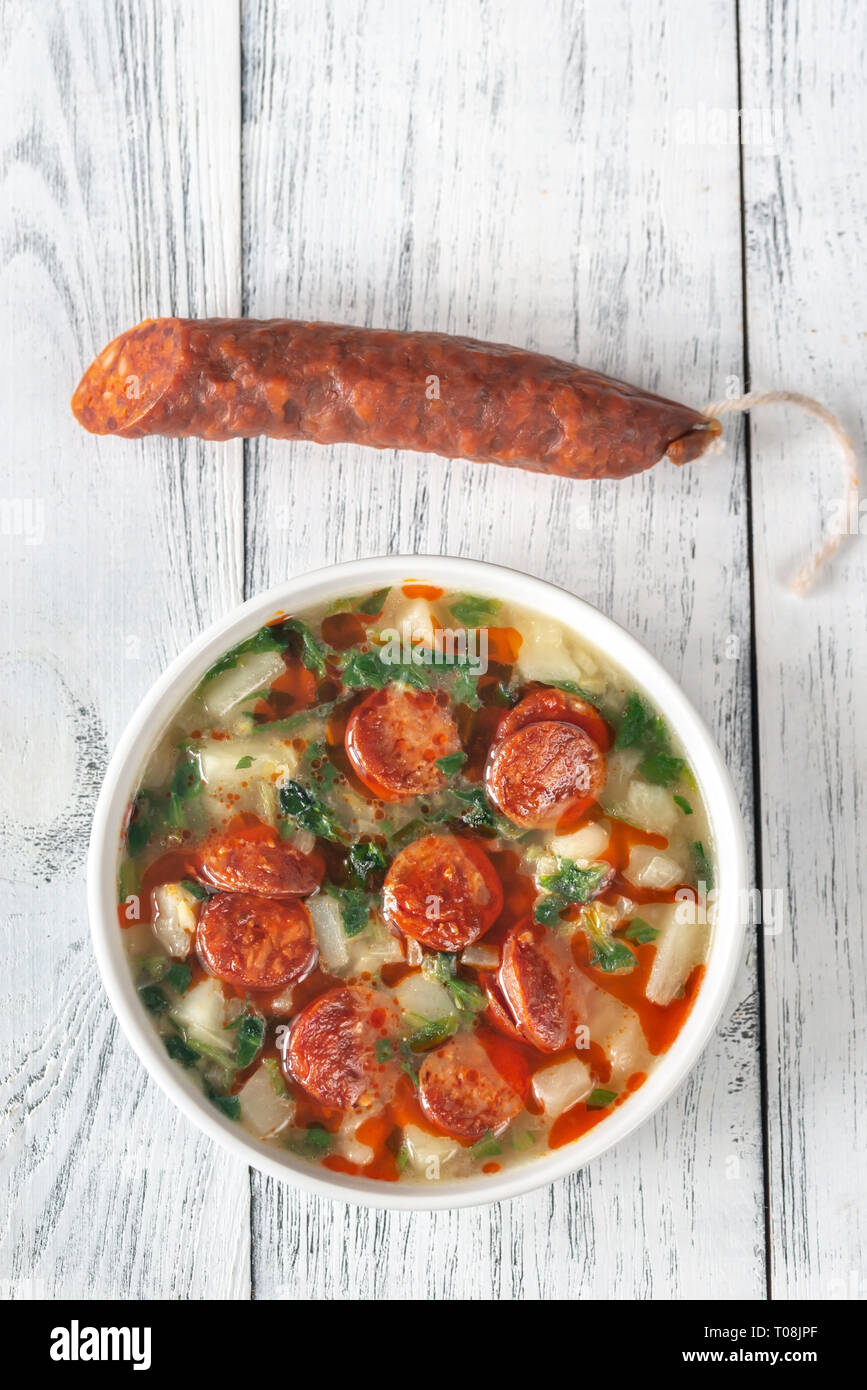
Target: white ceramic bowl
155,712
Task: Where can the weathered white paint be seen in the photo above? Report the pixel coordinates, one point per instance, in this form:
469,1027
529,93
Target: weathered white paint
514,172
805,207
120,198
546,175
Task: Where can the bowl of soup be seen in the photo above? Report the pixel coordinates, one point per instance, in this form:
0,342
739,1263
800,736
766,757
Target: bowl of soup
415,881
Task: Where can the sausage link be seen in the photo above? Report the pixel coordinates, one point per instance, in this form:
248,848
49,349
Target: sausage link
457,397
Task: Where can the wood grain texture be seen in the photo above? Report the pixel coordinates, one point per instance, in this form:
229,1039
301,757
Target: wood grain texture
521,173
805,205
120,161
558,176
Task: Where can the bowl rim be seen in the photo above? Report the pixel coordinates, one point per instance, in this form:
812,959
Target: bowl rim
305,590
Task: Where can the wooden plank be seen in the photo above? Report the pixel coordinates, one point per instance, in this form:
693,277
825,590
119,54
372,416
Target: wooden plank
806,197
523,173
121,199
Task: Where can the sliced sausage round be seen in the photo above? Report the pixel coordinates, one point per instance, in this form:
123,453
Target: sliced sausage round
443,891
545,774
332,1049
549,703
394,738
463,1093
257,943
264,865
541,986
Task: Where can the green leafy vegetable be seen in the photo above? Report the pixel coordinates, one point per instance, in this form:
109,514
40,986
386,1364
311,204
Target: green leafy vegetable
570,884
701,864
548,909
265,640
312,652
187,780
640,932
600,1099
480,814
486,1147
153,968
641,728
523,1139
179,1051
439,966
607,953
196,890
473,611
313,1142
410,1070
684,805
153,999
432,1033
140,823
451,763
610,955
308,812
227,1105
275,1076
372,671
243,762
293,722
465,688
468,997
401,1158
355,907
179,976
574,883
383,1049
442,967
251,1035
365,670
364,859
572,688
662,769
373,603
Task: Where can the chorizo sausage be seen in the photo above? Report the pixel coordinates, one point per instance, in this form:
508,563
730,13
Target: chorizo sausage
257,943
393,739
457,397
332,1048
540,986
443,891
562,705
545,775
463,1093
270,868
497,1013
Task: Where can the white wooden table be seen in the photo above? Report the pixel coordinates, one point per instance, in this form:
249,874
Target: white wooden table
556,175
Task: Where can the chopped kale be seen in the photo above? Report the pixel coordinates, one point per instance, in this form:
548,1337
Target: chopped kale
373,603
308,812
473,611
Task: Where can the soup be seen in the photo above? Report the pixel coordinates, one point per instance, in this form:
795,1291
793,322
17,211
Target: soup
415,886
